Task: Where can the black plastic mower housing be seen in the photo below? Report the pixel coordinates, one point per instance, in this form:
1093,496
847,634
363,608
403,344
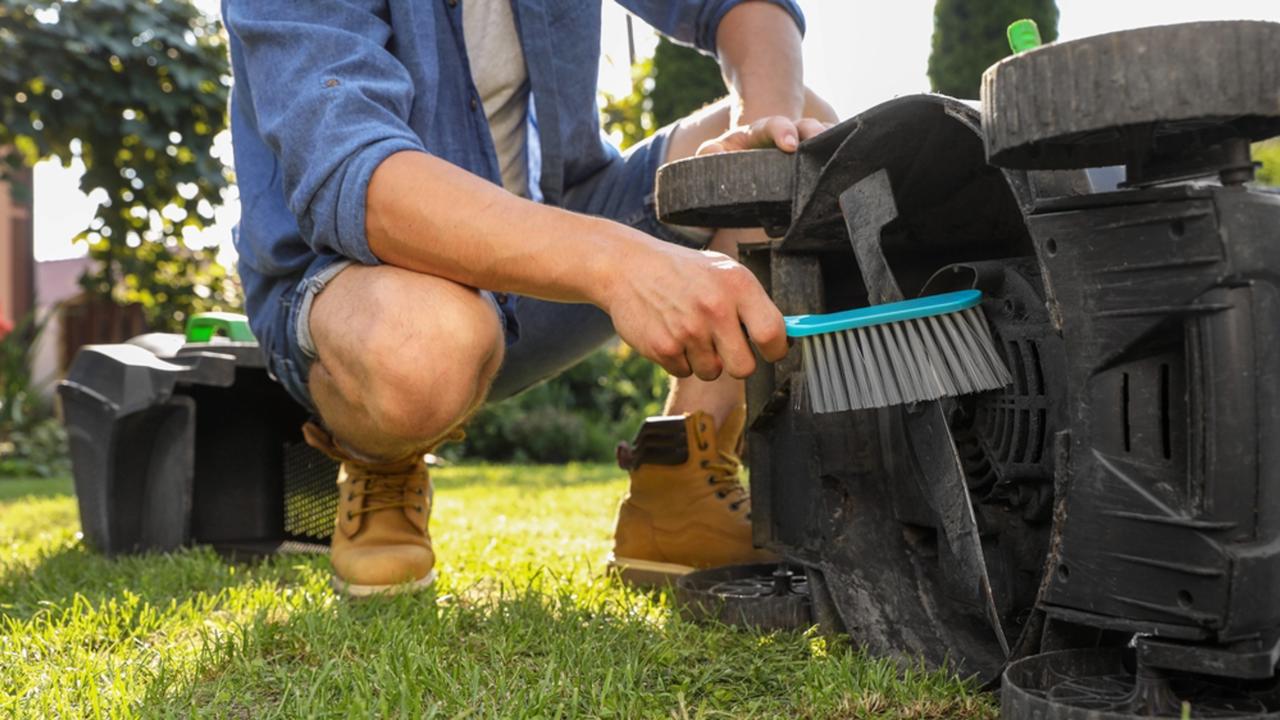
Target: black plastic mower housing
174,444
1168,301
1123,485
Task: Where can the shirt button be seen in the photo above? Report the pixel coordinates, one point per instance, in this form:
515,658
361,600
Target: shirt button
452,3
474,104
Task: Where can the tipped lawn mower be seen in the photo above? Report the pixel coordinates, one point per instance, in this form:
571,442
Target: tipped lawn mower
1103,532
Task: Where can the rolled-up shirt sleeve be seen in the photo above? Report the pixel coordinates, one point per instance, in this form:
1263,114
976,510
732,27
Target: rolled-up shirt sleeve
330,102
695,22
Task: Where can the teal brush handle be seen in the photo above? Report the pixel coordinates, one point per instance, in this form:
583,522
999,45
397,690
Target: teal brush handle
806,325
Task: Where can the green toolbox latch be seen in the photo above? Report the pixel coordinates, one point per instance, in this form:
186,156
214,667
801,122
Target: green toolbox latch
1024,35
202,327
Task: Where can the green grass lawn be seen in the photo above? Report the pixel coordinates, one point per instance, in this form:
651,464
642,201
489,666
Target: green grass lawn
522,623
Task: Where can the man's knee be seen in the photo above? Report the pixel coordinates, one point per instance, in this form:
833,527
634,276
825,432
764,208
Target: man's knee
427,349
428,379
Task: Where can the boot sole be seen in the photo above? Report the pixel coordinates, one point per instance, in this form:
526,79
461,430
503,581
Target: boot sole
647,573
342,587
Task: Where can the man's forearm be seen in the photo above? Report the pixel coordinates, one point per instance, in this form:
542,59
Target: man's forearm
759,48
685,309
427,215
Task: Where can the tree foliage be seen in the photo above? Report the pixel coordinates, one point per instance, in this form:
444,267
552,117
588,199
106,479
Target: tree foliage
684,80
32,441
629,118
136,90
673,83
579,415
969,37
1268,154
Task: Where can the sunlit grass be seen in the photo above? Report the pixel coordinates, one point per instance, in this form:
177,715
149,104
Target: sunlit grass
522,623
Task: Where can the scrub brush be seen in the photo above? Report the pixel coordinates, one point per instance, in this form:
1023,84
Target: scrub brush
898,353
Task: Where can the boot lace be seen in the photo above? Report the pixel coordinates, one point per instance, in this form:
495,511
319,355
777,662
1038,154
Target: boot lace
386,490
723,474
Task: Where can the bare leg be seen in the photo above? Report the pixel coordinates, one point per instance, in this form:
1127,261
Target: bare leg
719,397
404,358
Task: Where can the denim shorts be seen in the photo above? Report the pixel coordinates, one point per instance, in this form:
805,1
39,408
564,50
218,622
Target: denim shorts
543,338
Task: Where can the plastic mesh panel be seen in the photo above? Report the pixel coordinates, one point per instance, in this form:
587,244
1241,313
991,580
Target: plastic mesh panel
310,492
293,547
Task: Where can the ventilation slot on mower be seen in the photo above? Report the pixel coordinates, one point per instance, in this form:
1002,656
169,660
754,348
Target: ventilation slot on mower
1150,408
310,492
1009,430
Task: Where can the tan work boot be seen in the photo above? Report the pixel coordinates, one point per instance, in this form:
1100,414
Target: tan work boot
686,509
380,540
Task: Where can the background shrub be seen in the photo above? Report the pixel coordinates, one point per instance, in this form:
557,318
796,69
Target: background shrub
32,441
579,415
1268,154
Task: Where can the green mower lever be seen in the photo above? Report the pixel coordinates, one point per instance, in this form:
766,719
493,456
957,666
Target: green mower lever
202,327
1024,35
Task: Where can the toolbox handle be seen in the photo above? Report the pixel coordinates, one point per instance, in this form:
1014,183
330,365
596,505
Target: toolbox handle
202,327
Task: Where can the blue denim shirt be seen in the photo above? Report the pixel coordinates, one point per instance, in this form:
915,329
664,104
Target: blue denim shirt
325,90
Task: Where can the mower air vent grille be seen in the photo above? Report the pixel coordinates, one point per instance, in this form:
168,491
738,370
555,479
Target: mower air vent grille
1009,432
310,492
1012,423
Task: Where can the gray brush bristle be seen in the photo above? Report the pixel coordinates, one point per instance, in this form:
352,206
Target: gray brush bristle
900,363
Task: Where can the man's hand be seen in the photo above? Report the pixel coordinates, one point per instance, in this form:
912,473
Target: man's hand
694,312
776,131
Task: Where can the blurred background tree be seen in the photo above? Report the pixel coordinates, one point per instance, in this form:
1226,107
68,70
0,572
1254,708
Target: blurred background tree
628,119
684,80
1268,153
673,83
136,90
578,415
32,441
969,37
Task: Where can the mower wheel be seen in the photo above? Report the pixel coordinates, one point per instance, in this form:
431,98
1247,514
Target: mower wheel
763,597
1103,684
747,189
1098,100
